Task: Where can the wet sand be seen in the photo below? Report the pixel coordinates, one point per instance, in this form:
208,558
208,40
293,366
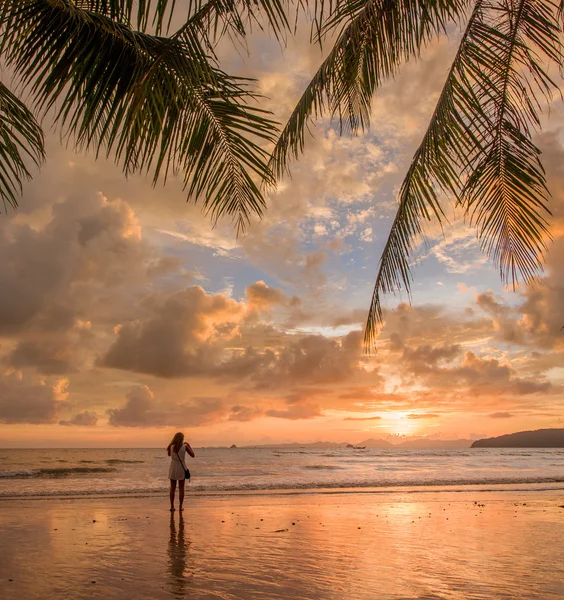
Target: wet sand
469,545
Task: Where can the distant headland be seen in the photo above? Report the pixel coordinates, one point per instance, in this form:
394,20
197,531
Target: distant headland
540,438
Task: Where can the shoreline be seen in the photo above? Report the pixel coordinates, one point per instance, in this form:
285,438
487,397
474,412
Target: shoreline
461,488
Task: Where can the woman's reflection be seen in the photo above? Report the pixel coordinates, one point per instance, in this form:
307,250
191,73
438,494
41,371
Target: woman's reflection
178,557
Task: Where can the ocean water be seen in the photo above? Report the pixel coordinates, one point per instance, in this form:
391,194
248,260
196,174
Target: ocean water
70,472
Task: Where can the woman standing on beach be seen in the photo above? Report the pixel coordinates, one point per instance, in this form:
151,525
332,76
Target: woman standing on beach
177,450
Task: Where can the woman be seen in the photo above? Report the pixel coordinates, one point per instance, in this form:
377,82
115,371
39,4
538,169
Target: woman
177,450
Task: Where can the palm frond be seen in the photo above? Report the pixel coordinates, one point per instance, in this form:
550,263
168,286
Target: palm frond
155,103
376,37
142,14
235,18
506,195
21,142
478,147
447,147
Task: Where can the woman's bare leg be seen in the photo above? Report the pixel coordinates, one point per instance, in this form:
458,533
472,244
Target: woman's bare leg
172,491
181,492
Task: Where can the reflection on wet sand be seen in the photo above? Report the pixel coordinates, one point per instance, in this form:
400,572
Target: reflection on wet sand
450,546
178,557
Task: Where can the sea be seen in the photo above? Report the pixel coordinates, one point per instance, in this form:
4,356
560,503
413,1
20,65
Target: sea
143,471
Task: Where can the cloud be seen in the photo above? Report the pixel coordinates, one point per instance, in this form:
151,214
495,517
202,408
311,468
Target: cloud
23,401
500,415
423,416
52,354
57,275
244,413
86,418
362,418
261,297
310,359
141,409
180,337
296,412
138,410
426,357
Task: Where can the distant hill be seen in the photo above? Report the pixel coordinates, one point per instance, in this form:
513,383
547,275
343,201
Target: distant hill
541,438
434,444
374,443
321,445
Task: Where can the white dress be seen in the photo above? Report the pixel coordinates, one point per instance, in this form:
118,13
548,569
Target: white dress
176,469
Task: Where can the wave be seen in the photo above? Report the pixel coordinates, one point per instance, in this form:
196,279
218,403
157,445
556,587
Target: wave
419,486
53,472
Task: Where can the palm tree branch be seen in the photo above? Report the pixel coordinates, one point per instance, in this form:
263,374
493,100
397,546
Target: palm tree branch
376,37
430,170
506,195
21,141
469,126
131,94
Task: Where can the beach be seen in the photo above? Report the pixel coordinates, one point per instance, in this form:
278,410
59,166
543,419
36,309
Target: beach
357,544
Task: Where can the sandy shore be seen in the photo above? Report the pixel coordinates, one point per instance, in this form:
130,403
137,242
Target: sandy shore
306,546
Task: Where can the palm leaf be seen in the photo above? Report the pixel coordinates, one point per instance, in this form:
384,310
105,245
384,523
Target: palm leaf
447,145
216,18
21,142
143,14
155,103
376,37
506,195
478,147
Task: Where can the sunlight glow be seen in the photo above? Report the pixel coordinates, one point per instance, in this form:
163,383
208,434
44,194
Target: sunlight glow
398,423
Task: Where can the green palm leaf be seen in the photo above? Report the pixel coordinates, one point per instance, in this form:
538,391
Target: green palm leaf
376,37
478,147
506,195
447,147
157,104
21,142
216,18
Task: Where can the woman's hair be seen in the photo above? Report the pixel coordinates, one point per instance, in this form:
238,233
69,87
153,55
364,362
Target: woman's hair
176,443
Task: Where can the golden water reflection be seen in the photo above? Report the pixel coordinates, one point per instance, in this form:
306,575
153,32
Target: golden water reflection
178,557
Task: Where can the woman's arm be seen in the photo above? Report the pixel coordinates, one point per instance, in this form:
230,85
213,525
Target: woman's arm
189,450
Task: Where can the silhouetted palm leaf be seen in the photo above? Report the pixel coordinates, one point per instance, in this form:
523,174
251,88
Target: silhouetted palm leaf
155,103
478,147
376,38
21,141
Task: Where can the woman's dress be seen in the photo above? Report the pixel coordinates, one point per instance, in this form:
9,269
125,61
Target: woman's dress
176,469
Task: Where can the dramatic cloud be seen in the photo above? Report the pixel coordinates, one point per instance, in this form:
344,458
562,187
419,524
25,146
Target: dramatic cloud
261,297
180,337
312,359
131,289
24,401
138,410
141,409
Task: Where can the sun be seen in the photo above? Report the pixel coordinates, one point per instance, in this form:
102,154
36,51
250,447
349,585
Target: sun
398,423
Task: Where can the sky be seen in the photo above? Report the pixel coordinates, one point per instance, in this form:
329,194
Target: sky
125,316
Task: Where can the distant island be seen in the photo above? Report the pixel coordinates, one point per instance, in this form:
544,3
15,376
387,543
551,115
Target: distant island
373,443
541,438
